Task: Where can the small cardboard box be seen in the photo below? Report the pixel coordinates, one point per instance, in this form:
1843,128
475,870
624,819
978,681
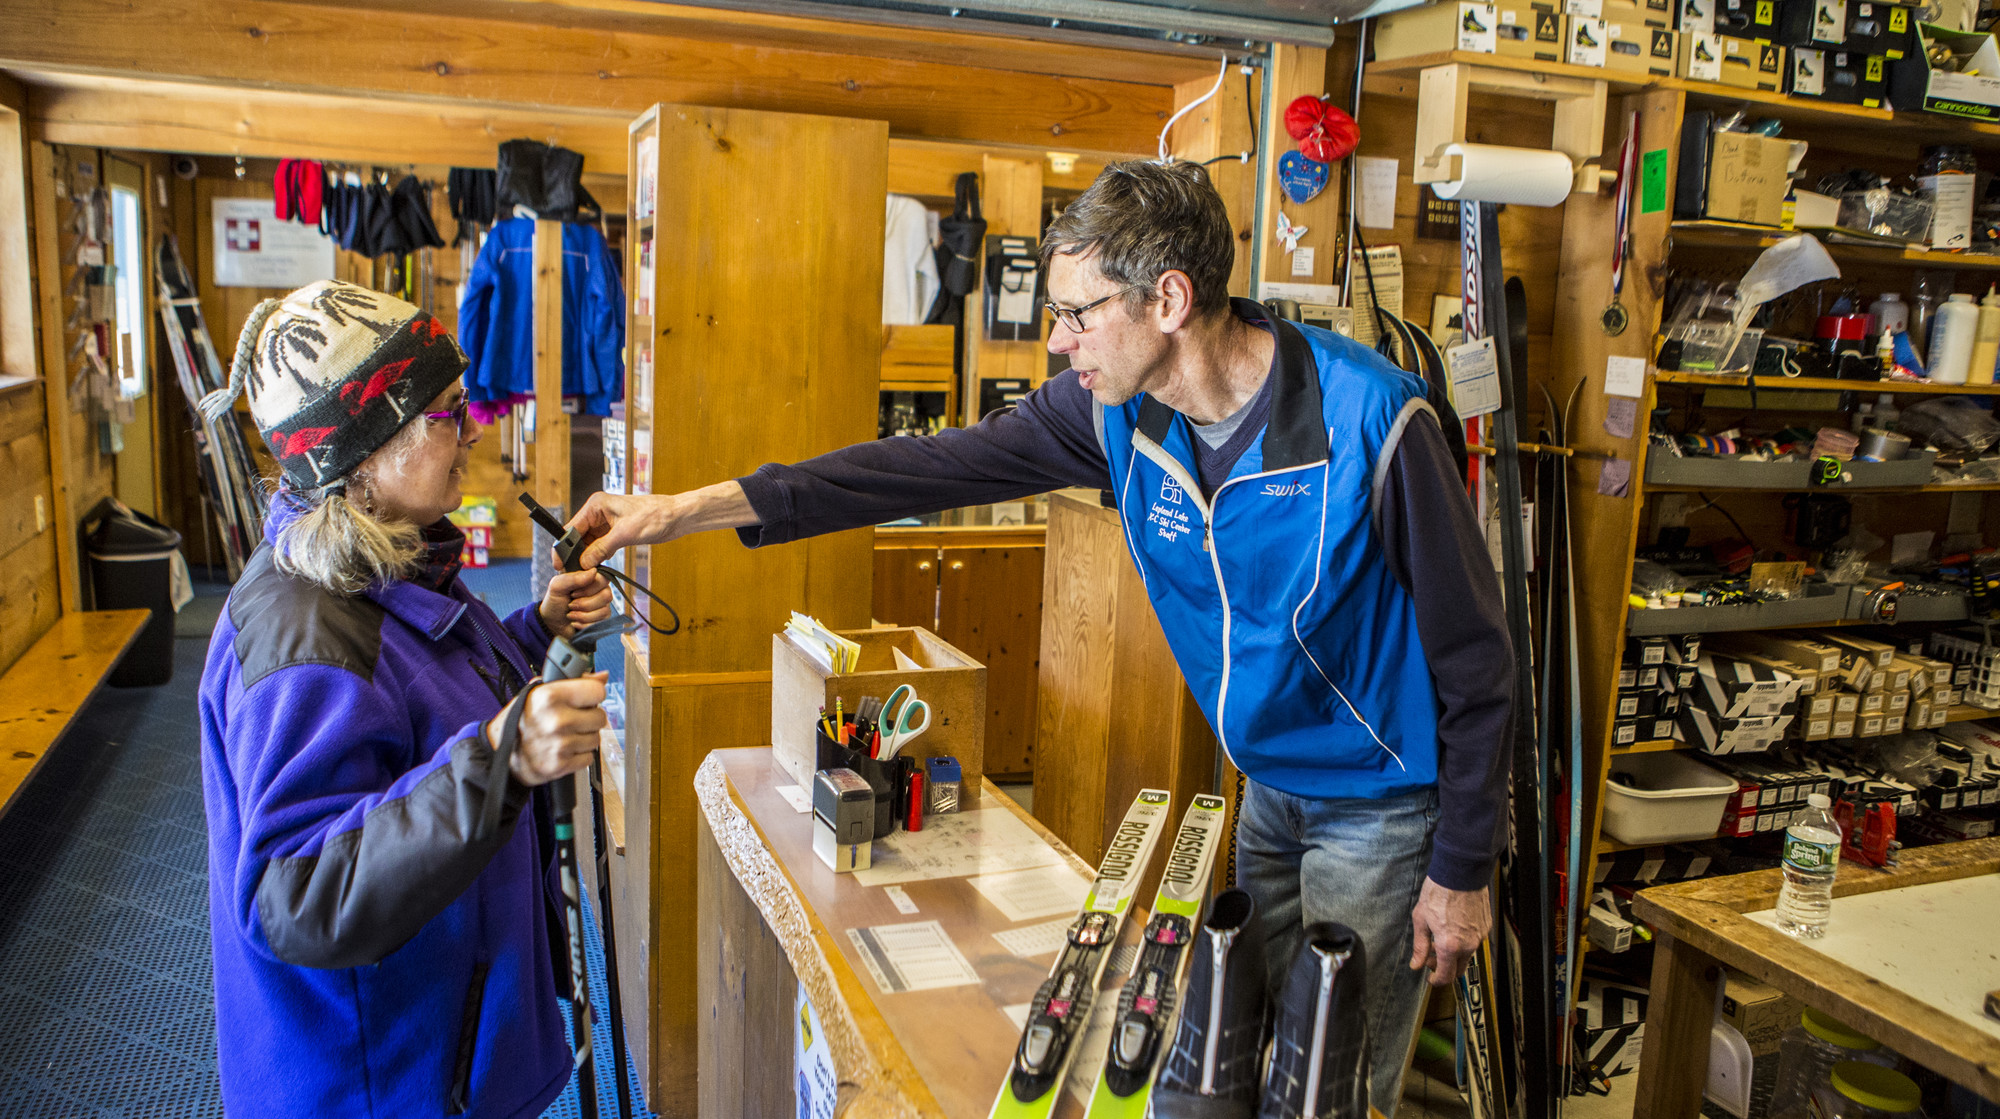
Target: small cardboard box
1804,651
1747,175
1753,64
1882,653
1436,29
1915,84
1696,17
1531,30
1840,76
1637,47
952,683
1750,19
1701,56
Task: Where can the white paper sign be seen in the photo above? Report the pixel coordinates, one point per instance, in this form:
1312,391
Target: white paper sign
1302,261
253,249
916,956
1625,376
1475,378
817,1088
1378,192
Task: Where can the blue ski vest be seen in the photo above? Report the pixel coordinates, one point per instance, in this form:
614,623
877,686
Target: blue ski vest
1294,635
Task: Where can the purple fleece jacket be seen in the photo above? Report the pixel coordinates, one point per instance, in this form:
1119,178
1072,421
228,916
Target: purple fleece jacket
374,954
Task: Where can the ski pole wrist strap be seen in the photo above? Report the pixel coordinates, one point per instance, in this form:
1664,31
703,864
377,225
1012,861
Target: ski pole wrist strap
499,765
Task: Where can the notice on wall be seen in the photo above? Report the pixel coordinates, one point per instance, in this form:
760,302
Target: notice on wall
253,249
1378,192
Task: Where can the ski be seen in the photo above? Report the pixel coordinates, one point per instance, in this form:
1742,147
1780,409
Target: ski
1060,1012
1148,1004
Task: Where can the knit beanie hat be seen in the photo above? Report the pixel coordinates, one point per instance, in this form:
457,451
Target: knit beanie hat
334,370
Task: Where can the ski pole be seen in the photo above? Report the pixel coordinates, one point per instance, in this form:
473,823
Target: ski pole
618,1054
568,659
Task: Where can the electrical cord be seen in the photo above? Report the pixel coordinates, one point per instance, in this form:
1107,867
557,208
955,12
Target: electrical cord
1221,76
614,575
1710,504
1249,95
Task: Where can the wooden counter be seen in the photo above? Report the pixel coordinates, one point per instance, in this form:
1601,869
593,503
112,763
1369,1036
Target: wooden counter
1907,960
773,920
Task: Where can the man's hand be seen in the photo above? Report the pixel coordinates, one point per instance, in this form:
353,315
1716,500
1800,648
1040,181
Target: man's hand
558,729
612,521
1449,924
575,599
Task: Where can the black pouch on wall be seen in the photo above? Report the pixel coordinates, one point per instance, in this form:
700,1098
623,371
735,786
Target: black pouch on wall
546,179
957,253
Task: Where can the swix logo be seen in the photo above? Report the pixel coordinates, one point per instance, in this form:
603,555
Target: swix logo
1170,490
1293,490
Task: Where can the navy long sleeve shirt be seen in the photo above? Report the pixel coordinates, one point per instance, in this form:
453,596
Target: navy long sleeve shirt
1430,538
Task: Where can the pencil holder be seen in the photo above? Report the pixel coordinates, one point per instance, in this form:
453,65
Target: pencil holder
953,684
881,778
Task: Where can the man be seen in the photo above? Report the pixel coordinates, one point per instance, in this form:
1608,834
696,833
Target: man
1305,540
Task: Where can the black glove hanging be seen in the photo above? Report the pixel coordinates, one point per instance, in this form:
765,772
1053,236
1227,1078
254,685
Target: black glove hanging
545,179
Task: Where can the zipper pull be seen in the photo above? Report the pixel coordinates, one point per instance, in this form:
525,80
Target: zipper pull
1208,538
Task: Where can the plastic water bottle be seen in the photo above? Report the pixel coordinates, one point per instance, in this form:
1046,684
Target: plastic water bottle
1812,857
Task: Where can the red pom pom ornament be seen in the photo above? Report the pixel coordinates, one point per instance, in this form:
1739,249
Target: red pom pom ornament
1325,133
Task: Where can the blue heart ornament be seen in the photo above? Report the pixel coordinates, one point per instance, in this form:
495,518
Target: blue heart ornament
1302,178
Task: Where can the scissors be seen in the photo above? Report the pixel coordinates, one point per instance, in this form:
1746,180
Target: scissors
904,717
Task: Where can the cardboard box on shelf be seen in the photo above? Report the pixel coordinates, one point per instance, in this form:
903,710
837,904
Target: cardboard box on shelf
1751,19
1752,64
1801,649
1695,17
1531,30
1881,652
1437,29
1747,177
1641,48
1970,87
1841,76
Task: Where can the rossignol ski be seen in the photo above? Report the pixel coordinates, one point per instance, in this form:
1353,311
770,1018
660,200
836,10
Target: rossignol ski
1146,1007
1060,1012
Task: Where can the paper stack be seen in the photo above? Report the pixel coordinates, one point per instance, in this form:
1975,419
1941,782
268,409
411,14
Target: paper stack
834,653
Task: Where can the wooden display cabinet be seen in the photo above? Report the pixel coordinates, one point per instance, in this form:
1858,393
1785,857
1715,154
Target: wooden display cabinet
1608,529
753,336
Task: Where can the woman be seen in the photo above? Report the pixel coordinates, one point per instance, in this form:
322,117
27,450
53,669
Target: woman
375,954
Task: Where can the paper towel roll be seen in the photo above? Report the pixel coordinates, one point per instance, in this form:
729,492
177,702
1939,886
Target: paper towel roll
1492,173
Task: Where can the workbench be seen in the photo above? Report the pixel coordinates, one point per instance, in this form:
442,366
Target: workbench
904,1028
1907,959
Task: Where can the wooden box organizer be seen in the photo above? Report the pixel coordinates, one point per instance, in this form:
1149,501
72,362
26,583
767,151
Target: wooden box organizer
951,682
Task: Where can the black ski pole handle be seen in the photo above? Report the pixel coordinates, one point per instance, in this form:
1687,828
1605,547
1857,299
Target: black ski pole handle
569,553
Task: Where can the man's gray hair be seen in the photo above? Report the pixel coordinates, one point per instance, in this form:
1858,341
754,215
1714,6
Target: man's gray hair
1141,220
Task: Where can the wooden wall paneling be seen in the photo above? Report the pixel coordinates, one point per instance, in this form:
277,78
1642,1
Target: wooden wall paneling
990,606
30,601
813,239
930,168
1603,526
47,215
551,479
632,875
423,55
1296,72
906,589
1531,235
1223,125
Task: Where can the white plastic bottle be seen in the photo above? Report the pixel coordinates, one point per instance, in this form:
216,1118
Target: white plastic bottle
1812,858
1889,313
1986,344
1953,330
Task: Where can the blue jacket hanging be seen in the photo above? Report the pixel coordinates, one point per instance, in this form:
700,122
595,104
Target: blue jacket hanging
496,320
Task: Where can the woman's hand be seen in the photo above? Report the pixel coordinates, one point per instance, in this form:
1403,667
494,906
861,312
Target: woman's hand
558,729
575,599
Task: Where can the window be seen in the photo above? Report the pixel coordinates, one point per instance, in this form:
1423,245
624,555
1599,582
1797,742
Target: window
128,235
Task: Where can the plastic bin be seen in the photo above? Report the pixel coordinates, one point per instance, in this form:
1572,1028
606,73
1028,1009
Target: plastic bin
132,559
1681,800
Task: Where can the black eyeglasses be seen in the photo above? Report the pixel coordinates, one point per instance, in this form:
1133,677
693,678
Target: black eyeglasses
456,414
1072,317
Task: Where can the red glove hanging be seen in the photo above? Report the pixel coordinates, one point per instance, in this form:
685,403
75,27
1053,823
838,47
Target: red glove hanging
1325,133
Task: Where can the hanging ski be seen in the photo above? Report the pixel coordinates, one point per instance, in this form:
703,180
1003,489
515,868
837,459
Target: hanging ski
1148,1004
1060,1012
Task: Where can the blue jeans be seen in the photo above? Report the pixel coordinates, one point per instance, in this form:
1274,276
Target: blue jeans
1356,861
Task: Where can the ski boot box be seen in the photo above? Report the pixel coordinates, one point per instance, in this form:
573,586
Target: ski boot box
1535,30
1844,77
1849,25
1746,19
1589,41
1638,40
1966,84
1753,63
1437,29
953,684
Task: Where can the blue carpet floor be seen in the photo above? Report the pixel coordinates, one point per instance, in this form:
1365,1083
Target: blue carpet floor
104,956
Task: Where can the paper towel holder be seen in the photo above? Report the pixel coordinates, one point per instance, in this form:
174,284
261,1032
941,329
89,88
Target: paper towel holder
1442,96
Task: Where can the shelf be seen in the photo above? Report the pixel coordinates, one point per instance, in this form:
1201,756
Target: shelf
1619,80
1825,384
1734,235
1797,108
1651,746
1966,712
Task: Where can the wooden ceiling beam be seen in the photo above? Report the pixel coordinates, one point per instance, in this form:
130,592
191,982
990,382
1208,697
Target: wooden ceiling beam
1164,64
459,60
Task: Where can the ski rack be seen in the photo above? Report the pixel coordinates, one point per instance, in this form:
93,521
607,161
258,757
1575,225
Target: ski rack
1524,448
1444,91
